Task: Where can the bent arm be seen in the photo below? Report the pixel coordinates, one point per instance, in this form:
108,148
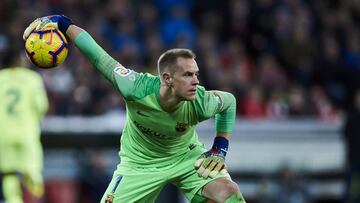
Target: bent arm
225,119
97,55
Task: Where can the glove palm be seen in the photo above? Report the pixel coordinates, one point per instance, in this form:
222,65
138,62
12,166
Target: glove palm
211,163
39,24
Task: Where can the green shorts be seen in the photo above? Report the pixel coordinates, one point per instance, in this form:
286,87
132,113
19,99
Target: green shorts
21,157
143,185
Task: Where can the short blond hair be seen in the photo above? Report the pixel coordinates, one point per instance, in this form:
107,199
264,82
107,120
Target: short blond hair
169,59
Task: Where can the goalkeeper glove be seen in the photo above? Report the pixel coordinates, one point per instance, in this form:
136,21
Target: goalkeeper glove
212,162
60,22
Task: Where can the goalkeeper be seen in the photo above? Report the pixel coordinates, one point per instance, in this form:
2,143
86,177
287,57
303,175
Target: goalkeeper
159,144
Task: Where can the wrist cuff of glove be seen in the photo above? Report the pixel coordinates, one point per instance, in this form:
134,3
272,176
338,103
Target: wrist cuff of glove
221,145
64,23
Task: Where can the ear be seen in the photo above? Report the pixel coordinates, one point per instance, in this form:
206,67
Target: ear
166,77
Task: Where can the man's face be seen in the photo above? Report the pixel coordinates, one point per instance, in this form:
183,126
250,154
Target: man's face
185,79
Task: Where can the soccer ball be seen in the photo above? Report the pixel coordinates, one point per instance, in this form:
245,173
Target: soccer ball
46,48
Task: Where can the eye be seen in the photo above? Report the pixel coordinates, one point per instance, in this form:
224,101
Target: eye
191,74
187,74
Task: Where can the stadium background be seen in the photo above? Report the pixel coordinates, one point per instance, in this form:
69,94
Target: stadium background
293,65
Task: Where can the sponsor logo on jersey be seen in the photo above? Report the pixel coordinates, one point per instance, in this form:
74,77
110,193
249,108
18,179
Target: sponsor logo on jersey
150,132
122,71
181,127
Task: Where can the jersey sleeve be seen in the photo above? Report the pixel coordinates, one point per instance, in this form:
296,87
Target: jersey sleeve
133,85
220,104
225,117
97,55
130,84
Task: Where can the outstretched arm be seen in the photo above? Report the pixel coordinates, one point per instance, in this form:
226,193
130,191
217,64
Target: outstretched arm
97,55
123,79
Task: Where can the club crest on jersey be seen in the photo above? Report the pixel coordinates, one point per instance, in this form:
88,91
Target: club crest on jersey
122,71
109,199
181,127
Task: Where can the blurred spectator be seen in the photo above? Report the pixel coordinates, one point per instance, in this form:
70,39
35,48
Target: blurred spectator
331,78
239,44
297,101
270,74
352,50
352,139
290,188
253,105
276,107
321,105
265,192
240,10
93,177
177,29
165,6
237,68
62,190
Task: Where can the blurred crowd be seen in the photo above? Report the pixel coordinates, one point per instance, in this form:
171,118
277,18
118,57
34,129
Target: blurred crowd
280,58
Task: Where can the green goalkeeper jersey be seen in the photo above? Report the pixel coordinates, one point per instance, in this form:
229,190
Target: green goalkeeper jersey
151,136
23,103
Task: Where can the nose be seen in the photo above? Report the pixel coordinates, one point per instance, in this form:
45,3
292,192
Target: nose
196,80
